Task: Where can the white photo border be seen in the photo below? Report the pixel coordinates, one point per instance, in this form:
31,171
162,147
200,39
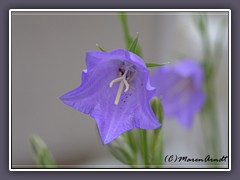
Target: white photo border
117,10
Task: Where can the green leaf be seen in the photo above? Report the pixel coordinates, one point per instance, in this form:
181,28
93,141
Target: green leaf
149,65
117,155
129,41
130,140
42,155
100,48
121,154
134,44
135,47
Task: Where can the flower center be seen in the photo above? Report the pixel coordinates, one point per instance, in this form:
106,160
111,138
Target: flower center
124,78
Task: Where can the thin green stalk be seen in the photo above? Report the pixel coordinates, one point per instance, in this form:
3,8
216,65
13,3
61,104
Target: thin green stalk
219,45
157,137
124,23
157,149
153,147
129,40
144,147
130,141
210,111
160,157
208,114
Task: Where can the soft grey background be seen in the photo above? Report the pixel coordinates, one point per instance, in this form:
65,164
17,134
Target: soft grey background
48,55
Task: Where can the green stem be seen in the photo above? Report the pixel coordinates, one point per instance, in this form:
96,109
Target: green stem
144,146
157,149
157,137
153,147
219,41
123,20
210,117
132,144
130,136
160,158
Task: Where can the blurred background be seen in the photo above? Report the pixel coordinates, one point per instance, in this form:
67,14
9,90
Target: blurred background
48,56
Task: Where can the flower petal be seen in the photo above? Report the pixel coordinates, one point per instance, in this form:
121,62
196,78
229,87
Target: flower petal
95,57
133,111
190,68
96,82
195,102
180,87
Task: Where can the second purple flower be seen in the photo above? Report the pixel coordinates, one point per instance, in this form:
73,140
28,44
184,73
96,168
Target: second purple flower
180,88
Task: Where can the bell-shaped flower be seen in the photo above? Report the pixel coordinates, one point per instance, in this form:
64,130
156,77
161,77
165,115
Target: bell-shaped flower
180,88
115,91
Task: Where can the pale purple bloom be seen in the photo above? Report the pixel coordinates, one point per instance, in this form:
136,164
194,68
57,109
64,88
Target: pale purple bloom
180,87
115,91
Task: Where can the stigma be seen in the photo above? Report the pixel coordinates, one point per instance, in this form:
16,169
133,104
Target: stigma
124,79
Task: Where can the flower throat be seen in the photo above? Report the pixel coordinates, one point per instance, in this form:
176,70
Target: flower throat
125,77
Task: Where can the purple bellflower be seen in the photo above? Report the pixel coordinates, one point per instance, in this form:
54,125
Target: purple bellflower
116,92
180,88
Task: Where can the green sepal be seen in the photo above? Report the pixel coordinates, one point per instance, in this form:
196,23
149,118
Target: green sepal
131,43
135,47
134,44
100,48
149,65
42,155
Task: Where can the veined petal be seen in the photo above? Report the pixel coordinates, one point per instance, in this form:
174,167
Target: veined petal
133,111
96,83
190,103
129,57
95,57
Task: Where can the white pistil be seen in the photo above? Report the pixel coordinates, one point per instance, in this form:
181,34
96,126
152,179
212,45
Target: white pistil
114,81
121,86
120,89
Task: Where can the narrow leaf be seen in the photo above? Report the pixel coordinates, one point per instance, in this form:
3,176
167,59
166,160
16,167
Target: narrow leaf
127,36
134,44
121,154
42,155
117,155
100,48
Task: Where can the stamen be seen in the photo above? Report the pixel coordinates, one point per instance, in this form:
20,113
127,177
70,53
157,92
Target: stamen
134,75
126,84
123,81
120,89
